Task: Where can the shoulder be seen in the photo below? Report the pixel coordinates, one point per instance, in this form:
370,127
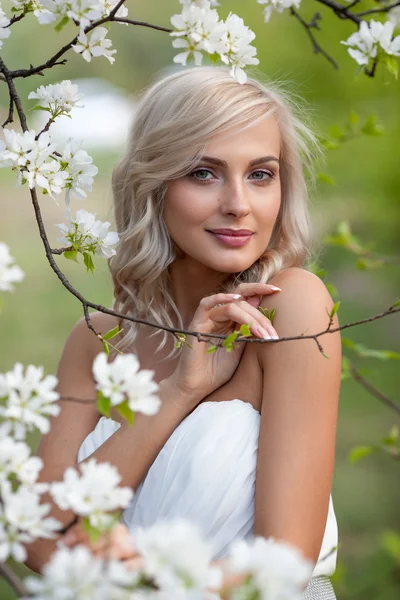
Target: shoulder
304,302
82,336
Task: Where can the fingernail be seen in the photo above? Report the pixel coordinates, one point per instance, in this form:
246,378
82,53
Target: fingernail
236,296
265,333
275,288
275,337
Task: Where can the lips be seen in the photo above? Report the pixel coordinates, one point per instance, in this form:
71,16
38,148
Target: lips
231,232
231,240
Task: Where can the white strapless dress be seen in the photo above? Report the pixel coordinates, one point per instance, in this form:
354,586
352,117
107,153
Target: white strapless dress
206,472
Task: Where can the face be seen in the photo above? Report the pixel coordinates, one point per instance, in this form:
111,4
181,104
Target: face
236,185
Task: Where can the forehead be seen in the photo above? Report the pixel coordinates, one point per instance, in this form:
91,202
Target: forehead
256,140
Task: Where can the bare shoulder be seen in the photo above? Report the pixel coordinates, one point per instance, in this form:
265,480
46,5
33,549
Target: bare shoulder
303,304
85,336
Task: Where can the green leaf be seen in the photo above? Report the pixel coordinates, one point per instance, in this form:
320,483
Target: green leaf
353,118
336,132
345,368
211,349
125,411
270,314
87,259
392,65
360,452
325,178
397,303
335,308
330,144
245,330
371,127
393,436
228,341
112,333
94,534
106,348
61,24
390,541
40,108
103,404
71,255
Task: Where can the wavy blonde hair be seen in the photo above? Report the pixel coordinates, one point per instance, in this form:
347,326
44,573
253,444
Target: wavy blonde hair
175,119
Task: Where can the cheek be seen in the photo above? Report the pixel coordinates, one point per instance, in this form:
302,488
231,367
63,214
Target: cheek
184,207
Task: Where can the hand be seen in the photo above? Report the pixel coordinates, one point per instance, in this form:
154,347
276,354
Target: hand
116,544
198,374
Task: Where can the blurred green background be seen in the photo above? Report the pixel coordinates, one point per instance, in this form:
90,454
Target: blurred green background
38,317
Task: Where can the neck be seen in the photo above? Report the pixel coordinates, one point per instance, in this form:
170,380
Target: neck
190,282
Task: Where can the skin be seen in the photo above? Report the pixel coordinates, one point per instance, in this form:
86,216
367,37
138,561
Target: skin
236,196
300,386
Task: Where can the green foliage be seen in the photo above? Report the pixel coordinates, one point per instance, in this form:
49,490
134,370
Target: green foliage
103,404
270,314
125,411
364,352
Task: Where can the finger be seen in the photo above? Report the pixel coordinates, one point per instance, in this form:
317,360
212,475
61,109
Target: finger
208,302
75,535
122,546
238,314
253,289
258,316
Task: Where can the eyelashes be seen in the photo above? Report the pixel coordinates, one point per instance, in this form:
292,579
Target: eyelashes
270,175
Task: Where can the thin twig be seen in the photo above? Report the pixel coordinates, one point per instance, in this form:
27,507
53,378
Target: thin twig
13,580
341,11
385,9
308,26
373,390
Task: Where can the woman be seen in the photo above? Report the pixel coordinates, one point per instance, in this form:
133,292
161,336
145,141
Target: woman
244,442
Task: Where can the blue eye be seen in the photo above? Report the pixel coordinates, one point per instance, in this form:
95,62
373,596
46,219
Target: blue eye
196,173
262,173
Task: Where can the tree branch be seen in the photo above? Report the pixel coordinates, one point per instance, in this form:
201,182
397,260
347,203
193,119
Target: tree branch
379,10
307,26
13,580
373,390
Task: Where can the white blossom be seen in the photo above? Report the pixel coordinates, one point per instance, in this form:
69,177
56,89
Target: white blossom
75,574
9,273
5,31
198,29
121,379
61,96
80,170
394,16
237,50
92,492
176,557
90,235
22,520
29,400
16,462
94,44
278,570
277,6
372,38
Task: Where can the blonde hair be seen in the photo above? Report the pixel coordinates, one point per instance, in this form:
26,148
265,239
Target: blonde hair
175,119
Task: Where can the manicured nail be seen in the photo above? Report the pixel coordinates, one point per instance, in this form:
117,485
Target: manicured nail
275,337
236,296
275,288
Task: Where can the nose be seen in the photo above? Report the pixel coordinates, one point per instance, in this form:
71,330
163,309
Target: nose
234,198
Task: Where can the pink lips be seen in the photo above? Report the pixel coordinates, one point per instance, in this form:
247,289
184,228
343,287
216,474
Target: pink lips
230,239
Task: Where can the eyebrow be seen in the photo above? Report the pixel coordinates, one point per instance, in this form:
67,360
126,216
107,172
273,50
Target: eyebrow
223,163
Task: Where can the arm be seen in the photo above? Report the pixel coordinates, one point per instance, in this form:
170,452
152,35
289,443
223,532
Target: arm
299,415
131,449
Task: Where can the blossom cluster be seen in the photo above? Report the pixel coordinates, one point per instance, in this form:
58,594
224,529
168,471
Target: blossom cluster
121,380
198,29
93,493
85,234
28,399
373,38
277,6
36,161
9,273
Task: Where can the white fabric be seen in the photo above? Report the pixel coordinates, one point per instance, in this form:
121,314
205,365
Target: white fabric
206,472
